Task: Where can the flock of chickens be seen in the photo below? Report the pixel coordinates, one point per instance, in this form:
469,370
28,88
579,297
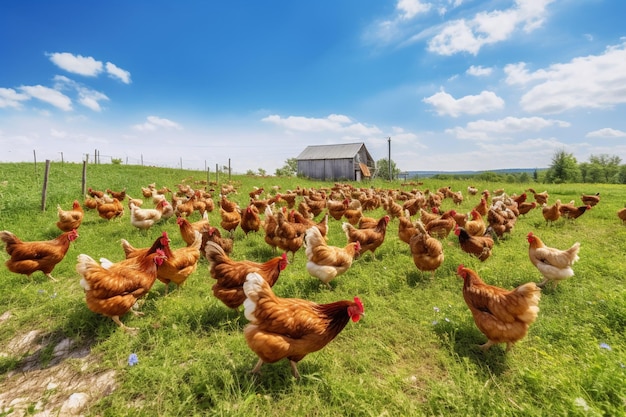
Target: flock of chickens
291,328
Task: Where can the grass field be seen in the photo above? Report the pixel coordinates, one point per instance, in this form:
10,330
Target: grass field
414,353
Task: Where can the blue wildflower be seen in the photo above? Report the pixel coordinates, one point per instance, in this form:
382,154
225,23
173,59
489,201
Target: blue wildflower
132,359
605,346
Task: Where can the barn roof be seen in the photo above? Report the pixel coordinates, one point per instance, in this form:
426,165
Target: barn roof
342,151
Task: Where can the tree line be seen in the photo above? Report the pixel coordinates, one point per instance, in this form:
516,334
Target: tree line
564,168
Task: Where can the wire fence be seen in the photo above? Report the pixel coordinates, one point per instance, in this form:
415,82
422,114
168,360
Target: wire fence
97,158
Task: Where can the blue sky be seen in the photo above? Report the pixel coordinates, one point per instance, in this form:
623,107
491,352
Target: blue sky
455,84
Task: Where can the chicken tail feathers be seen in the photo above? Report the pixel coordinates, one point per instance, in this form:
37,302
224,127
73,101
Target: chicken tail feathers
214,252
313,237
84,263
573,252
253,287
8,237
532,294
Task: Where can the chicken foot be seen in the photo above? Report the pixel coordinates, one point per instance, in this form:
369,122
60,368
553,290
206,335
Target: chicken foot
489,343
294,368
131,330
49,275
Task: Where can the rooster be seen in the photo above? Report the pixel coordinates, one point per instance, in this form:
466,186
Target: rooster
230,274
112,289
178,266
28,257
327,262
554,264
370,239
291,328
70,219
502,315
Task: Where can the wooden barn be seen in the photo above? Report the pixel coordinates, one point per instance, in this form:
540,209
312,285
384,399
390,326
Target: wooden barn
350,161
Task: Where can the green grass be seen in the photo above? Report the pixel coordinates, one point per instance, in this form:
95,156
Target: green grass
413,354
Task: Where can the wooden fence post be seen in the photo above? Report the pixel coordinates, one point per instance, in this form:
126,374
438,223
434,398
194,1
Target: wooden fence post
44,192
83,187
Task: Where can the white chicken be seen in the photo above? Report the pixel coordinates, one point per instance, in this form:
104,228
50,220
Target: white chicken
145,218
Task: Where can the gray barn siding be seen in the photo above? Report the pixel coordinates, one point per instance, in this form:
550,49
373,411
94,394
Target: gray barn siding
328,169
334,162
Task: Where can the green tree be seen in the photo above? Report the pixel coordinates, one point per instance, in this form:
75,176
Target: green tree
564,168
621,175
289,169
383,169
607,165
524,177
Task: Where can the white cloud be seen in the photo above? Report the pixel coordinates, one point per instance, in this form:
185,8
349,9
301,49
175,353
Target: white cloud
334,123
86,96
503,129
446,104
11,98
398,26
48,95
594,81
116,72
58,133
607,132
411,8
479,71
154,123
470,35
91,98
76,64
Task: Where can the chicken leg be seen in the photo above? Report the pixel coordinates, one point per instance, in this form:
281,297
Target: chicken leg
294,369
257,367
131,330
49,275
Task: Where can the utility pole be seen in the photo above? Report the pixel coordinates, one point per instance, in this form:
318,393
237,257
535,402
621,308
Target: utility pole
389,157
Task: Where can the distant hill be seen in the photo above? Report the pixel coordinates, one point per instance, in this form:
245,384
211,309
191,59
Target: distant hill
426,174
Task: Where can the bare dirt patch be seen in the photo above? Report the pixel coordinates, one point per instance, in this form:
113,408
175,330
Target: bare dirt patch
52,375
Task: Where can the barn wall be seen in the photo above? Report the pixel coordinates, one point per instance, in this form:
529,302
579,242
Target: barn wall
327,169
